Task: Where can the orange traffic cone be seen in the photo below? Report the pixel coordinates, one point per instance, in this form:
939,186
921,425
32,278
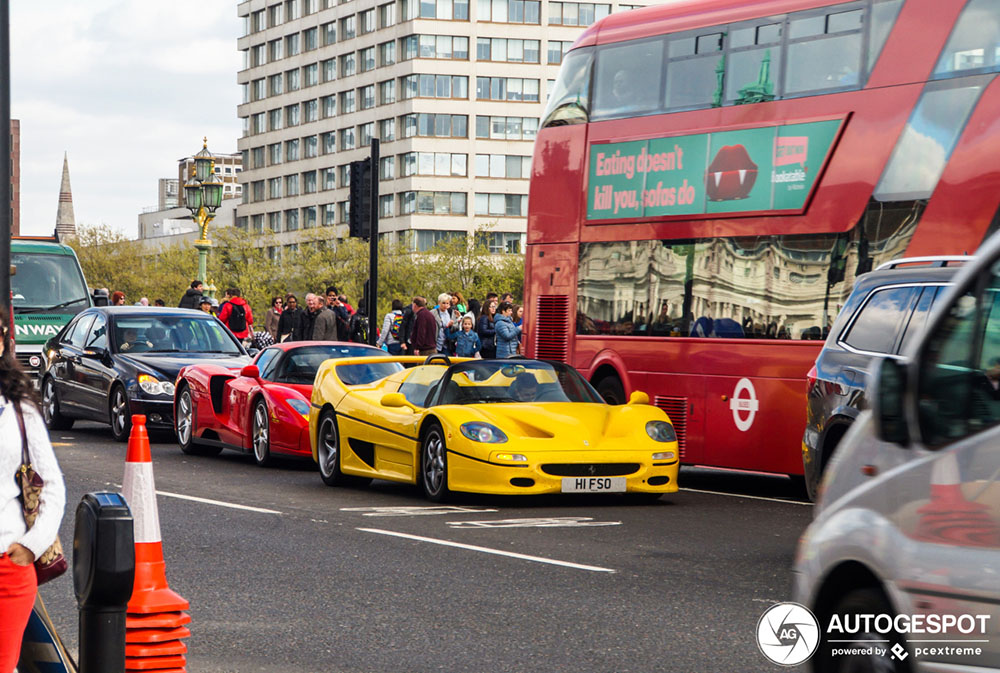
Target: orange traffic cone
154,623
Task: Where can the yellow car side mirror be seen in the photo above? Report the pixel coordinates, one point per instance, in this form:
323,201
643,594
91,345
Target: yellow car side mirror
395,401
638,397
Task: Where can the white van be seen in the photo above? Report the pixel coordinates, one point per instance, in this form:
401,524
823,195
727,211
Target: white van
901,565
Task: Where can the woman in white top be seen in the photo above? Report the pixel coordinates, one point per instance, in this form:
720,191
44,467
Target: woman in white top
19,547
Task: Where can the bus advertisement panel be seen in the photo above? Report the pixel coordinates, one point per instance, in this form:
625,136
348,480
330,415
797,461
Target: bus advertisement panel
710,177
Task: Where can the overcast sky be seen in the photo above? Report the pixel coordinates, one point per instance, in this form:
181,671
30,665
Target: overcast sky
125,87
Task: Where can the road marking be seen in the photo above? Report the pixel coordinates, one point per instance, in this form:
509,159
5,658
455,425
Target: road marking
551,522
62,444
487,550
424,510
749,497
219,503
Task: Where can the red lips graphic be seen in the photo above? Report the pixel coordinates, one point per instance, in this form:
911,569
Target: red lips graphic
731,174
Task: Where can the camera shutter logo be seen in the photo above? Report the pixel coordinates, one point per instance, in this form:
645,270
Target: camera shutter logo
788,634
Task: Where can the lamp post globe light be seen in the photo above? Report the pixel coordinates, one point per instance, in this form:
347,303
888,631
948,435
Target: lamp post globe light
203,196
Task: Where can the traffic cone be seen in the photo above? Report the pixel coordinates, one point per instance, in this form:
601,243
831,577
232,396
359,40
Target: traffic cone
948,518
154,623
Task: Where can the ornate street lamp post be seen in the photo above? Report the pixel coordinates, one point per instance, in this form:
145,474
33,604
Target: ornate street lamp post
203,196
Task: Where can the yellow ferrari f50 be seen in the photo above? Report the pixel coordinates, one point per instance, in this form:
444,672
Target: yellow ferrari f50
511,426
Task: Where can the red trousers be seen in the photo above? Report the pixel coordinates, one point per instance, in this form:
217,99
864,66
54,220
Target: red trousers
18,586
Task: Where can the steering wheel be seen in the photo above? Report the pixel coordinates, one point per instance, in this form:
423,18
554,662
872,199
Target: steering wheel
438,356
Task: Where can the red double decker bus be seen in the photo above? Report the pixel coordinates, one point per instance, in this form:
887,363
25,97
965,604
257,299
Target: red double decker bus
711,175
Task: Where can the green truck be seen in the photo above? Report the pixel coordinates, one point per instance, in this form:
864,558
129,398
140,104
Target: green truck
48,289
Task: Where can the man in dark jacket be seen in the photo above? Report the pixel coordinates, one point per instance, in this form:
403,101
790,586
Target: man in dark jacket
288,323
324,323
423,341
406,330
192,296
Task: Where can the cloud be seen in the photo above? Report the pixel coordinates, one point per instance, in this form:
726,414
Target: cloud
126,88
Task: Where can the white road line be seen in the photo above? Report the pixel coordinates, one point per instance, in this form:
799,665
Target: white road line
219,503
749,497
487,550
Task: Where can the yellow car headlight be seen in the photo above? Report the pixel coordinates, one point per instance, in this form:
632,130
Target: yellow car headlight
661,431
486,433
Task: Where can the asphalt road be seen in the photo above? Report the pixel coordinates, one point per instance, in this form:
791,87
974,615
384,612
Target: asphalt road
361,579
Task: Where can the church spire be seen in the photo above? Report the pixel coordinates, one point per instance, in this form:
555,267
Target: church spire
65,221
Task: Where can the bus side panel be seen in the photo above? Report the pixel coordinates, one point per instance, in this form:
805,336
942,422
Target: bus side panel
550,298
556,195
967,195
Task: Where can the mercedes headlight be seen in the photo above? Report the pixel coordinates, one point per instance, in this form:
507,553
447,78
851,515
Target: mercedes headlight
483,432
661,431
153,386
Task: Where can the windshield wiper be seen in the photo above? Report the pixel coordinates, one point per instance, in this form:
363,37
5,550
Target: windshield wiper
166,350
65,304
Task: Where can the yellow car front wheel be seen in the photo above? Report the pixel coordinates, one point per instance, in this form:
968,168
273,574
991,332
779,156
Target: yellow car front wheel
434,465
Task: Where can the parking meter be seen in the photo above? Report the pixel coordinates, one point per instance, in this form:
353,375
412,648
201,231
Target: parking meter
103,574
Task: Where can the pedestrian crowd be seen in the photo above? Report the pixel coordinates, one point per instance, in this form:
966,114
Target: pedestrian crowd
449,325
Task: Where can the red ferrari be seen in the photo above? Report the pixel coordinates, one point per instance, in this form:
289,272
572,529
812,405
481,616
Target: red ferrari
262,408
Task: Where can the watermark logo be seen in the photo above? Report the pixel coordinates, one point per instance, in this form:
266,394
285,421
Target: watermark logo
788,634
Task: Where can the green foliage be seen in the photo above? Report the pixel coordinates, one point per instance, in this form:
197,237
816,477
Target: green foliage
245,261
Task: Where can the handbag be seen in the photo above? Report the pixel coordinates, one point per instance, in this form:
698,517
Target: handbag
51,564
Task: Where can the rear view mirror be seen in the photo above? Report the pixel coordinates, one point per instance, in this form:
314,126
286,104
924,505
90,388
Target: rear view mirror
638,397
395,401
887,396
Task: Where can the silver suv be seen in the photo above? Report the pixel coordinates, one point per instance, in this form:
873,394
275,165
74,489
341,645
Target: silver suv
908,523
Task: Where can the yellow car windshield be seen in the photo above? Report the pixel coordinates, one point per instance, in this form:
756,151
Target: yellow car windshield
524,381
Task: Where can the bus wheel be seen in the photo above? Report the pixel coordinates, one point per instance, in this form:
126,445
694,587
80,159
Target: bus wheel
610,388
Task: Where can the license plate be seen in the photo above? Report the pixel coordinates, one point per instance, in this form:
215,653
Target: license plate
593,485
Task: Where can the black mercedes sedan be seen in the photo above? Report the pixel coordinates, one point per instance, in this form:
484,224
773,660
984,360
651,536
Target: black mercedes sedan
111,362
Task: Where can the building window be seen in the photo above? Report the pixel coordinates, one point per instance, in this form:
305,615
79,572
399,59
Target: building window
292,115
366,20
348,27
434,46
443,164
276,50
434,86
291,220
507,50
329,31
345,175
310,74
433,203
292,80
557,50
310,39
365,133
347,139
292,150
310,7
509,11
367,96
259,122
310,110
329,69
502,205
292,10
347,102
576,13
257,188
502,166
387,92
274,154
329,142
275,84
506,128
387,130
274,119
329,215
257,22
500,242
292,185
257,221
310,145
387,168
387,15
329,178
367,59
309,182
292,44
387,53
348,65
309,217
424,241
258,86
274,221
434,125
385,205
258,156
507,88
455,10
329,106
258,54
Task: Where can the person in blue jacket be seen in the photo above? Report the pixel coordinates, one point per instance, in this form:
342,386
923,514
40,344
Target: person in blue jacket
467,344
508,334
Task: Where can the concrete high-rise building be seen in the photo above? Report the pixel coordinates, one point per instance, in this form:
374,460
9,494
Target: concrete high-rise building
227,167
168,193
15,177
454,90
65,219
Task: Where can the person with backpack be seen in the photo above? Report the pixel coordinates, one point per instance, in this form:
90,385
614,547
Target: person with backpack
391,326
236,314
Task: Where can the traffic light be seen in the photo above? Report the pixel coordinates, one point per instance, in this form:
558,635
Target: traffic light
361,198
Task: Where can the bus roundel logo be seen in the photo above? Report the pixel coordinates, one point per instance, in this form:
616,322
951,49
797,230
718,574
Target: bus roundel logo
744,405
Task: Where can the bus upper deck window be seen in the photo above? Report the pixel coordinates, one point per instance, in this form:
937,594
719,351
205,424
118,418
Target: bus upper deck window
627,78
569,101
